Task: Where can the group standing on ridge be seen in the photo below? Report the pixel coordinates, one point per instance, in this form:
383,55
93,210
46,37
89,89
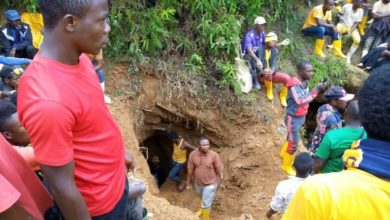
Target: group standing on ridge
62,154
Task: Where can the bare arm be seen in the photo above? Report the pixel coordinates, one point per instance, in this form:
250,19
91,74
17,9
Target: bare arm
328,24
16,212
189,146
253,55
318,164
65,192
380,15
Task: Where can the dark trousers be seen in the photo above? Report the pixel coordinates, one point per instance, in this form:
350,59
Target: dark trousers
125,209
28,52
320,31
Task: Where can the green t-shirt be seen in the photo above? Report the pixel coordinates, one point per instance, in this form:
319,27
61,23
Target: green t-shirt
334,144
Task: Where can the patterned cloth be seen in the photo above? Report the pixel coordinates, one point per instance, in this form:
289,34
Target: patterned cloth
284,192
328,118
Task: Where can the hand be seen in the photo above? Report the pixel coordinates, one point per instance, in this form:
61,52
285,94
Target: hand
188,185
130,162
12,52
259,64
335,30
321,87
285,42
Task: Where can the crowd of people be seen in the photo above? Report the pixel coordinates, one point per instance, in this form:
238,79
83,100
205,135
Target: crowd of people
54,160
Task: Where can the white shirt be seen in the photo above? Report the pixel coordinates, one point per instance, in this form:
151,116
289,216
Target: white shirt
284,192
349,16
379,7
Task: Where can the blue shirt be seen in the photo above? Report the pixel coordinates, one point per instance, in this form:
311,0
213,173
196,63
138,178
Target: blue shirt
252,40
328,118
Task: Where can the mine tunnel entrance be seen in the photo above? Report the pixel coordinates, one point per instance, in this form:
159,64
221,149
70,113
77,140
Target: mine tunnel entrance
157,150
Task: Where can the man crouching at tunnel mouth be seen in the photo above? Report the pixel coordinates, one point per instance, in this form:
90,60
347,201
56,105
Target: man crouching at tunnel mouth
76,140
205,164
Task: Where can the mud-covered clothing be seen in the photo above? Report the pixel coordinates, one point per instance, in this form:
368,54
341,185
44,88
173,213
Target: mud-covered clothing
204,166
299,97
328,118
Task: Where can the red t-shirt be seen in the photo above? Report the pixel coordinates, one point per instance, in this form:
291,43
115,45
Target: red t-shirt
63,110
19,184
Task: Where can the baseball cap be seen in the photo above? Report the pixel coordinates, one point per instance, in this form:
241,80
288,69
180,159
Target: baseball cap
337,92
260,20
12,15
271,36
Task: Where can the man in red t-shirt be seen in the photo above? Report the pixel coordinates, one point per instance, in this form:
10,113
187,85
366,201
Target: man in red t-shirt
76,140
22,195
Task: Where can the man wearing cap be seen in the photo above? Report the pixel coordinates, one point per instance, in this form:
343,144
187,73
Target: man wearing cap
329,154
253,40
329,115
318,24
269,57
15,37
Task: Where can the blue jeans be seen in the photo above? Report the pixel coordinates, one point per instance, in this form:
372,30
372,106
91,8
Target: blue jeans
99,72
125,209
253,68
176,169
320,31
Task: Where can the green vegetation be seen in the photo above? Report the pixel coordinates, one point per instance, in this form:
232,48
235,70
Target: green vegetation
203,36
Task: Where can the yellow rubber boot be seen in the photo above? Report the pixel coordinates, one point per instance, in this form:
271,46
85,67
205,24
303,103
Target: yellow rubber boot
199,213
337,49
283,96
318,48
287,164
268,88
362,25
206,214
283,151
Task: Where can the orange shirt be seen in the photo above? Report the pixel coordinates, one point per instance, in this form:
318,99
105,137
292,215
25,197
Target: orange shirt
62,108
19,184
205,166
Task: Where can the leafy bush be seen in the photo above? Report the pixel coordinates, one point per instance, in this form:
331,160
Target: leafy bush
333,69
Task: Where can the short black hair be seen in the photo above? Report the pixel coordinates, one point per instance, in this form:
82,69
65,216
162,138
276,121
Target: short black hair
54,10
202,138
374,103
7,73
352,110
303,164
7,109
173,135
302,64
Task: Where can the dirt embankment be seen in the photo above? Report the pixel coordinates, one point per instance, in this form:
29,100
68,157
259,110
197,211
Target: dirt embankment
248,143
